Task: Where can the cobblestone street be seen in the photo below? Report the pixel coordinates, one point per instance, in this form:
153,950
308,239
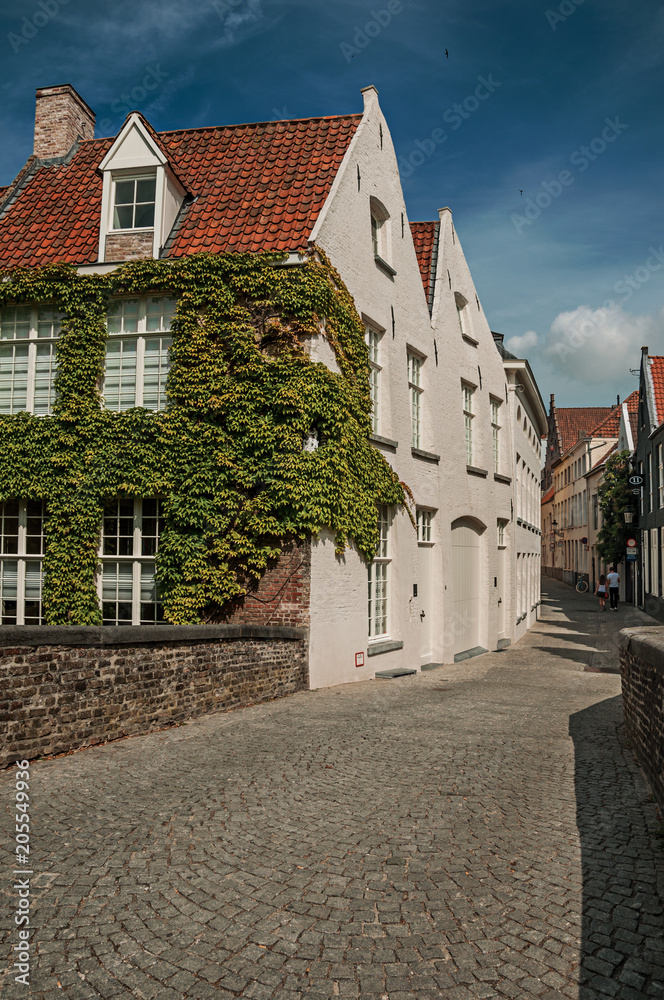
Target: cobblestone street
480,830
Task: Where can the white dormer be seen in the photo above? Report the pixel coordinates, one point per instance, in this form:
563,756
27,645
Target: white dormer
141,196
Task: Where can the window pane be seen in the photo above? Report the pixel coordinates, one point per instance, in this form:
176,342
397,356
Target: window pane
117,593
9,527
160,311
34,534
124,192
15,322
118,528
151,608
152,526
145,189
48,323
123,217
144,216
120,374
8,591
13,377
155,372
45,370
33,593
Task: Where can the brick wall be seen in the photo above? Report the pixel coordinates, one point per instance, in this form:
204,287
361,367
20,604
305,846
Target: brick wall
63,688
61,117
283,593
642,675
129,246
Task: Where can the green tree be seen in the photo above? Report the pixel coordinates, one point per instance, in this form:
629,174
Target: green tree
615,497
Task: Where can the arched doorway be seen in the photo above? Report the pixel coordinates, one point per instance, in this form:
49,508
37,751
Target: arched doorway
464,622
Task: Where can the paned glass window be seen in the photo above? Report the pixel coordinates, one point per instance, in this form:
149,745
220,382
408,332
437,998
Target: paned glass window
378,579
660,481
22,524
415,387
133,205
129,543
372,338
28,336
468,422
501,533
424,525
137,359
495,431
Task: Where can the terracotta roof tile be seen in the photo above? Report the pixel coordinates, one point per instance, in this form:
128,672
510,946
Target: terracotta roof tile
549,494
424,235
576,421
656,368
255,187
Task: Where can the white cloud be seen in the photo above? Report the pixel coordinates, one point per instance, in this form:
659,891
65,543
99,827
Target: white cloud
594,346
520,345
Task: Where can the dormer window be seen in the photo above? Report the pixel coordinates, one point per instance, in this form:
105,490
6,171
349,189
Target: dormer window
141,195
134,201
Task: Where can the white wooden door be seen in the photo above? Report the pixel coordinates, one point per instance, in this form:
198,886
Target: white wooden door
465,565
425,584
500,593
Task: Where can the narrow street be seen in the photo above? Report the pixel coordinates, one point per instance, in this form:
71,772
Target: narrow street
480,830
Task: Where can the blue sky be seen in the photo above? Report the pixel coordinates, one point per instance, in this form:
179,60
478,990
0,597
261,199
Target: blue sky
571,271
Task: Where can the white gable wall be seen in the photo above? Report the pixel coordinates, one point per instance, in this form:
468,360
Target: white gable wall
396,305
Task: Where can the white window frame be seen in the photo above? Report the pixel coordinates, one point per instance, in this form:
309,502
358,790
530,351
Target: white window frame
123,178
415,389
495,432
140,563
660,483
650,483
378,580
654,562
372,338
500,530
424,521
42,331
27,563
467,392
380,230
139,339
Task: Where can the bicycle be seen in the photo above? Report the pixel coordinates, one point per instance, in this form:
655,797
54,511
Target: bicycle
581,585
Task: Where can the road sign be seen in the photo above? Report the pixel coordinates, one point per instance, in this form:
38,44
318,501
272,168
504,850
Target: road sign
632,555
631,543
636,480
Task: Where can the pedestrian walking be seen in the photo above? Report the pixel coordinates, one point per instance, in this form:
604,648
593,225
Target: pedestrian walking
601,592
613,580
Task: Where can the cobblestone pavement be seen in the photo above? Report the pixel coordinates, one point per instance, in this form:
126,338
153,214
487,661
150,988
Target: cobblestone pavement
477,831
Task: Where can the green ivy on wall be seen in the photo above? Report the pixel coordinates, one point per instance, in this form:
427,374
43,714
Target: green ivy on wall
227,455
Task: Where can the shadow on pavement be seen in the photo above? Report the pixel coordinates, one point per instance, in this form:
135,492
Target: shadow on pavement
622,942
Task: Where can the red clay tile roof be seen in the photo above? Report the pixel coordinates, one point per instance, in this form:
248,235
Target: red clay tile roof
549,494
576,421
424,234
656,369
256,187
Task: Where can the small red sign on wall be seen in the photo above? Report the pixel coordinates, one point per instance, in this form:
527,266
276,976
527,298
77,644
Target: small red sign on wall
359,659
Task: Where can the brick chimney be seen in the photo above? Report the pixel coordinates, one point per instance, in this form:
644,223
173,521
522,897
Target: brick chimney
61,117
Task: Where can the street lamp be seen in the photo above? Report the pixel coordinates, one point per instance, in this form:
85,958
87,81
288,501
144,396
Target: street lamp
629,516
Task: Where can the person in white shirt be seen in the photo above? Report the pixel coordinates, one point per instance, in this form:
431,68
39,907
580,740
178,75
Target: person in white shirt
613,580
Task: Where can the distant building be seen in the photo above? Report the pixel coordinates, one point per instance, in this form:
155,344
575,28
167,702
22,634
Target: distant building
649,463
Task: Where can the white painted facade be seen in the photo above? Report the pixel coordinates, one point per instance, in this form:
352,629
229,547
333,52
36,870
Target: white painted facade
529,424
449,591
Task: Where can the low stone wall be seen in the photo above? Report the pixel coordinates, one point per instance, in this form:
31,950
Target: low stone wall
62,687
642,675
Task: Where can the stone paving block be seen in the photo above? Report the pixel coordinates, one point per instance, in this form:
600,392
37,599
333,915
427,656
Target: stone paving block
507,850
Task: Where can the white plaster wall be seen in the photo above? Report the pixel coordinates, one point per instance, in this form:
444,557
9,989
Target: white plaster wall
339,593
528,513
